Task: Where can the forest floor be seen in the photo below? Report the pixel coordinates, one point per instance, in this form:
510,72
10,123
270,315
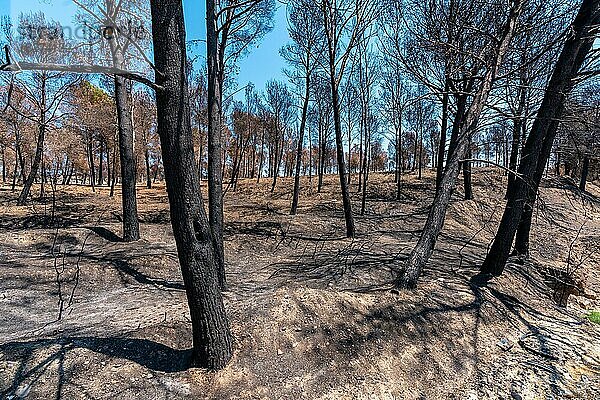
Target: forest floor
85,316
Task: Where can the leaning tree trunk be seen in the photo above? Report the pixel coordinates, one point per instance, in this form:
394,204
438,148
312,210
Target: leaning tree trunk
215,164
37,159
435,221
300,147
443,134
519,207
198,257
519,127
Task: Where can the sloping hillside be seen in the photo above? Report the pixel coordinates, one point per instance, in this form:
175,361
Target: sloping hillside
312,312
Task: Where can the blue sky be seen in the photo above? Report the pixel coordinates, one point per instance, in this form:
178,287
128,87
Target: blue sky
262,64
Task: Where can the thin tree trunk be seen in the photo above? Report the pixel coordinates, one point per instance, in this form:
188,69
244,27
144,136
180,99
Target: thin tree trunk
101,163
350,229
467,174
585,169
300,147
420,153
262,155
399,160
3,165
365,176
360,158
148,179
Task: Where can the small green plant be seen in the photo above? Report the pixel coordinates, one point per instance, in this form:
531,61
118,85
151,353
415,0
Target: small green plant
594,317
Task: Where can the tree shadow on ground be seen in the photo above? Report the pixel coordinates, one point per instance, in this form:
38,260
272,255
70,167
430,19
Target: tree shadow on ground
569,185
123,267
152,355
320,266
105,234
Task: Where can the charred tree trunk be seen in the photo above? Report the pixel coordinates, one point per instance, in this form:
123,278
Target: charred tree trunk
4,164
322,150
114,172
539,143
198,257
39,149
420,153
360,157
276,160
399,161
131,226
300,147
519,127
435,220
262,155
101,162
443,133
467,173
148,178
215,164
350,229
585,169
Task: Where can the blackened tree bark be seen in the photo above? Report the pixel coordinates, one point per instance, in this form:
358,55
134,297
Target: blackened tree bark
35,166
461,107
350,229
399,159
300,145
343,20
39,148
4,164
435,220
519,207
148,178
215,164
365,162
443,134
90,151
467,174
131,226
585,169
195,244
519,127
101,163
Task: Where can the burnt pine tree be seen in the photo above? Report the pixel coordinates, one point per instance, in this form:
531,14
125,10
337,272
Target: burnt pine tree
522,193
435,221
305,33
215,174
230,30
110,14
343,19
131,226
198,257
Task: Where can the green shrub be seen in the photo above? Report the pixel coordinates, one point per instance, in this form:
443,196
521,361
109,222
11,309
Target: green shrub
594,316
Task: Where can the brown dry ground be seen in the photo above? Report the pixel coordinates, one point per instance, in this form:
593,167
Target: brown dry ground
311,311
